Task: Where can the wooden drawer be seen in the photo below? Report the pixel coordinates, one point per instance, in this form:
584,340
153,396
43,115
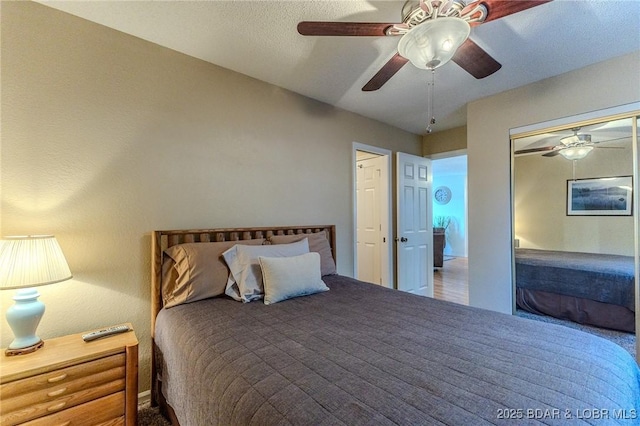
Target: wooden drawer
58,378
71,382
106,411
36,396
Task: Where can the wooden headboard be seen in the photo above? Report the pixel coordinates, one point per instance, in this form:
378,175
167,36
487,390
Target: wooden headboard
161,240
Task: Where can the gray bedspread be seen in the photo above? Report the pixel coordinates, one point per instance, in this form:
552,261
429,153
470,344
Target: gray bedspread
363,354
604,278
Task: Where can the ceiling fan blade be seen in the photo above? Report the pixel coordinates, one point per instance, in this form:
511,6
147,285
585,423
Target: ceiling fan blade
386,72
474,60
316,28
611,140
497,9
535,150
552,153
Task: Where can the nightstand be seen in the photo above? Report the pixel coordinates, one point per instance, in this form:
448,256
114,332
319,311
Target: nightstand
72,382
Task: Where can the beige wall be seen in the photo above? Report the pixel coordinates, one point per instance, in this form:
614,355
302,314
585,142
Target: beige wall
106,137
599,86
540,201
447,140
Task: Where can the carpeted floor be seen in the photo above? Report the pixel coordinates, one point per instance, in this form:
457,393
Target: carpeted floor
626,340
148,416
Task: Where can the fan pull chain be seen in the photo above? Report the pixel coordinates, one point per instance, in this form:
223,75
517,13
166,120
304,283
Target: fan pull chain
575,163
430,93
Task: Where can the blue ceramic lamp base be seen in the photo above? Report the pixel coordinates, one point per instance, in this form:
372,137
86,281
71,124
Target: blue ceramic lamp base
23,318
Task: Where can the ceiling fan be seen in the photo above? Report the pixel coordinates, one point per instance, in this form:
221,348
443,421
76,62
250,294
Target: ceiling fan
448,22
574,147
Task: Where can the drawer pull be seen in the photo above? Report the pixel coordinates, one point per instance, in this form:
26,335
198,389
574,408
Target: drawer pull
57,378
57,392
57,406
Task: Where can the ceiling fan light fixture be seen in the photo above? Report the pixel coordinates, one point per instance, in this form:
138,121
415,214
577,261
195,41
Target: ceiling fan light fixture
576,138
433,43
576,152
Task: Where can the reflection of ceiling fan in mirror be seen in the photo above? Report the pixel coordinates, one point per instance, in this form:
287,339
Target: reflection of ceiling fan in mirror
574,147
432,33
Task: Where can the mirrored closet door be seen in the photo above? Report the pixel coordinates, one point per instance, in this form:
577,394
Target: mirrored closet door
575,224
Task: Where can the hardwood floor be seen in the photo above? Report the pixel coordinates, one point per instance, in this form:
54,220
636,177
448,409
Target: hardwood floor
451,282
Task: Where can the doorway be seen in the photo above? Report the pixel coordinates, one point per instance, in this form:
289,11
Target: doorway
372,215
450,201
450,274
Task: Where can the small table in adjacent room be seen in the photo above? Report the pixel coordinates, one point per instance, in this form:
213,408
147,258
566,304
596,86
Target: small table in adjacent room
438,248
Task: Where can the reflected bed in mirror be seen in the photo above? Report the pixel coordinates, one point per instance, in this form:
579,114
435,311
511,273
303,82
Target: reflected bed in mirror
587,288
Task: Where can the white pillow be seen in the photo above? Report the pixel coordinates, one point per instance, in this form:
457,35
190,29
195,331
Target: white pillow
245,280
288,277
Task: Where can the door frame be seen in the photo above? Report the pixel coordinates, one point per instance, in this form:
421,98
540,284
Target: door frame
386,261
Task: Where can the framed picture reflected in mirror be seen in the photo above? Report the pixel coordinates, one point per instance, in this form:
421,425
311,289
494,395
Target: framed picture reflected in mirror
605,196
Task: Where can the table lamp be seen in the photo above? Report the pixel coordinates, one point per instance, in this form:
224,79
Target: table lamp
27,262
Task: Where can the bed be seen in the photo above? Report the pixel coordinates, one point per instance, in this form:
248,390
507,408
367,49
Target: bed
364,354
587,288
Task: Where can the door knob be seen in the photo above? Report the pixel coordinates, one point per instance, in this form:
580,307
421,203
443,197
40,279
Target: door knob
403,240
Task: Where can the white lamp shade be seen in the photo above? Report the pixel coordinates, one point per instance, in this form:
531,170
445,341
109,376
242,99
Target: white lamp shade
433,43
576,152
31,261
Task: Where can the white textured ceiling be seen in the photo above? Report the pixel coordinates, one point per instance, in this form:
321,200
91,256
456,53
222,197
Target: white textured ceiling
259,39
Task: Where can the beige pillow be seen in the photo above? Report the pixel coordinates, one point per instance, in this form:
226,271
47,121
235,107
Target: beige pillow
317,243
288,277
198,271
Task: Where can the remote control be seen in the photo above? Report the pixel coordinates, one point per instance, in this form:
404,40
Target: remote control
105,332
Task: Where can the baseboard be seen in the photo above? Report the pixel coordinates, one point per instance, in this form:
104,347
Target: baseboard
144,397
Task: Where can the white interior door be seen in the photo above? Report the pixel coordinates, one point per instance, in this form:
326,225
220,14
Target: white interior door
369,225
414,232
